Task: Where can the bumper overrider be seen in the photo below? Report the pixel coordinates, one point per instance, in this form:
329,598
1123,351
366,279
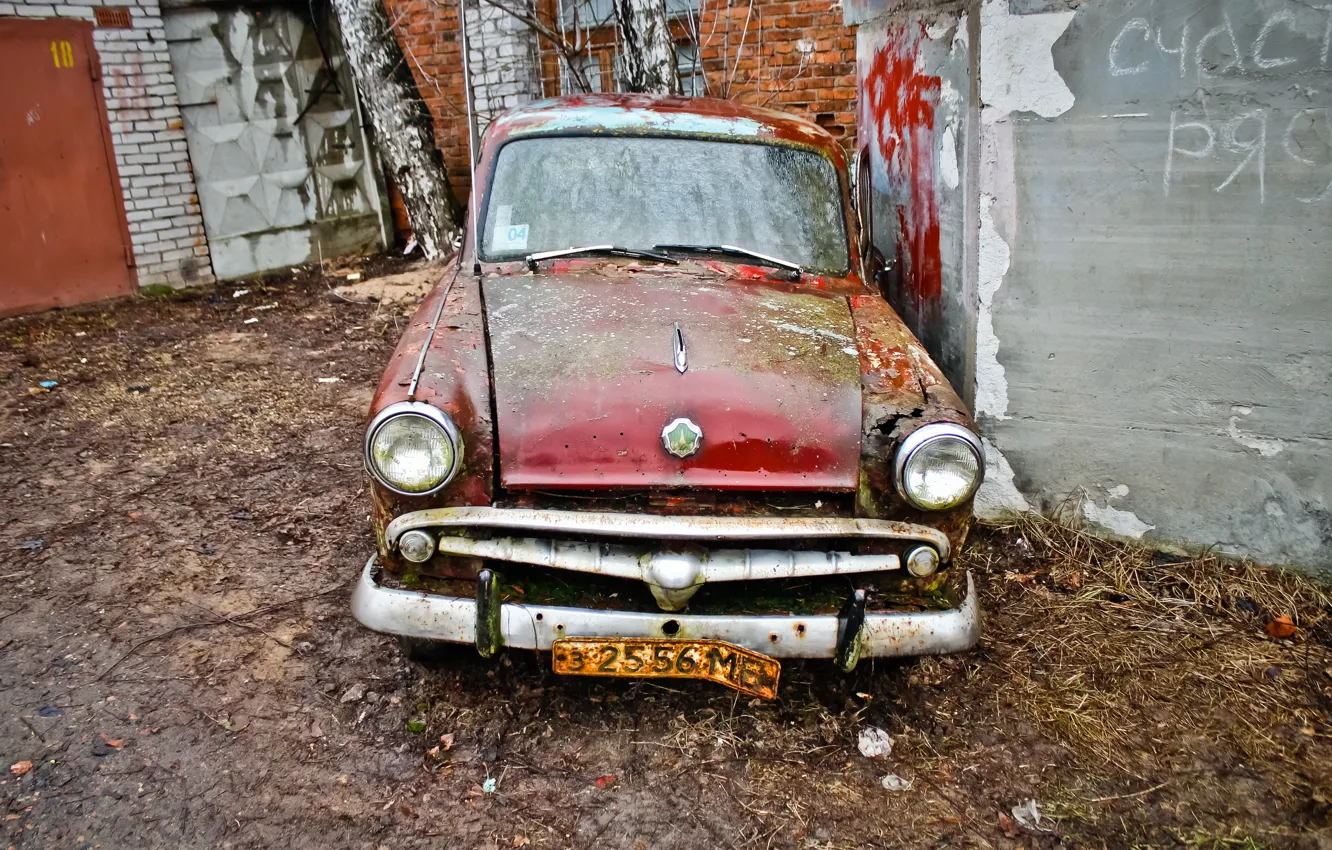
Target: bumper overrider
489,624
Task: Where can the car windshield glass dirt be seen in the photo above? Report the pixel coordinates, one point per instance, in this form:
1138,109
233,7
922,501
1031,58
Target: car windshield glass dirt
634,192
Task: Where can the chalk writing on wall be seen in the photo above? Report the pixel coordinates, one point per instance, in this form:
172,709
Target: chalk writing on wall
1241,142
1244,138
1139,45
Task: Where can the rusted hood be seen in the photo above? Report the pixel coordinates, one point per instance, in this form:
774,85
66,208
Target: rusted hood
585,381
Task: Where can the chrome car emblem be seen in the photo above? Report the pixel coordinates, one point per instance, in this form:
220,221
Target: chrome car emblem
682,437
681,358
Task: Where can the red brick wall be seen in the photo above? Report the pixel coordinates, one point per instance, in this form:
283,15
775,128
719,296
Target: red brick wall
428,33
817,82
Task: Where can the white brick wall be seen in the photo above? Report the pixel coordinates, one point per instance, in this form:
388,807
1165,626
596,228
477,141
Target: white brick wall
161,203
504,66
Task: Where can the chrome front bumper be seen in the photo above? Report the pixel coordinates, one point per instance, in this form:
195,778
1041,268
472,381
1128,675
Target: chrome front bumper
425,615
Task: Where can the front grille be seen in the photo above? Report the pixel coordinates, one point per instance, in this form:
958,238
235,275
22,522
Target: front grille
685,502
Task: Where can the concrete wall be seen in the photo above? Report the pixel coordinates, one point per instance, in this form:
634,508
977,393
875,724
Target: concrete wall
1140,303
1156,269
141,103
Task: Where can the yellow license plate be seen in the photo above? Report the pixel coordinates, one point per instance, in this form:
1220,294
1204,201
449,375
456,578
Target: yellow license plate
653,658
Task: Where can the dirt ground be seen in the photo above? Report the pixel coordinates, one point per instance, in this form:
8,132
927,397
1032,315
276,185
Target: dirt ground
184,513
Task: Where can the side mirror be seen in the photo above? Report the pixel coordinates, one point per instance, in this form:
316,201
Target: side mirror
862,189
876,270
855,181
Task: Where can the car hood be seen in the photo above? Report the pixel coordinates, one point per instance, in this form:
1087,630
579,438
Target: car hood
584,382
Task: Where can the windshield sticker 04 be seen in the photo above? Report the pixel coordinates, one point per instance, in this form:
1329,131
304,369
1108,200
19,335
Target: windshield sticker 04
507,236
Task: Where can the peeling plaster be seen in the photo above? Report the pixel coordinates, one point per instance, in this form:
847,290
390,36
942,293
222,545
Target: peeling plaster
1017,66
937,30
991,384
1249,440
948,159
950,105
1017,74
1123,523
998,495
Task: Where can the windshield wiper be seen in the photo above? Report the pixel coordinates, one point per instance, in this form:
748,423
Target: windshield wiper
533,259
734,251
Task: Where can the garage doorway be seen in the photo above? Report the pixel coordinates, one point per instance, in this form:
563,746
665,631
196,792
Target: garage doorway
63,235
283,166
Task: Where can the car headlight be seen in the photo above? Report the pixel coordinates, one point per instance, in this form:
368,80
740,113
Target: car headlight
939,466
413,448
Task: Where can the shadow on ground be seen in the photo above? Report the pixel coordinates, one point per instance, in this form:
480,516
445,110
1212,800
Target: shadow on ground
183,515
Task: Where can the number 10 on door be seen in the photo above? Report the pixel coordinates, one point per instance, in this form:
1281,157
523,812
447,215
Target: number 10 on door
62,53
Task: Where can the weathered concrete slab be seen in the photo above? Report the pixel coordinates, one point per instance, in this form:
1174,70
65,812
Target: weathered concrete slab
1158,272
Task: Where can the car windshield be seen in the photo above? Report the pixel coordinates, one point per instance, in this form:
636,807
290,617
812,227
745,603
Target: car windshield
635,192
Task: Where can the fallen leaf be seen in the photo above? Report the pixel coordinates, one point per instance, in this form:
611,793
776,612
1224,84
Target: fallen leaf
1029,816
19,768
874,743
1009,826
1281,627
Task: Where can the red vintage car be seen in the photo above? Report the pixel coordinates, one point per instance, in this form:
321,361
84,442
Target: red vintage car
656,419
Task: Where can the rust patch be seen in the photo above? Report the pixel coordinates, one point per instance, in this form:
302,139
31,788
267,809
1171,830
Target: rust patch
901,390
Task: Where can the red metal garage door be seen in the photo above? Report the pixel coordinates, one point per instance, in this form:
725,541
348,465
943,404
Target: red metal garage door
63,237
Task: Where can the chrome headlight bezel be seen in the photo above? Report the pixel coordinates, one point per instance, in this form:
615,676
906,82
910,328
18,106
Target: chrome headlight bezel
430,413
926,435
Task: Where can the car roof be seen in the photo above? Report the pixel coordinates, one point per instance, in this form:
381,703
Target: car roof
635,114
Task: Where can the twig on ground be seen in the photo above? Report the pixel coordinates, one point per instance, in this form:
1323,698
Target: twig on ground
206,623
235,622
1144,792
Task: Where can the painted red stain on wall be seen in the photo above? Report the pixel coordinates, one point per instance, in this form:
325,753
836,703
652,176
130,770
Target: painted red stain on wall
901,104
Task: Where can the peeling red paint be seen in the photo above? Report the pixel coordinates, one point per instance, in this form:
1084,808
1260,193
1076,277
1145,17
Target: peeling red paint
901,103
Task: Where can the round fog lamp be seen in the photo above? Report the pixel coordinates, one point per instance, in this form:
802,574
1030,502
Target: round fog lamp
922,561
416,546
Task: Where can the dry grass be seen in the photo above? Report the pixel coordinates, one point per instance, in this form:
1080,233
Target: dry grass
1138,661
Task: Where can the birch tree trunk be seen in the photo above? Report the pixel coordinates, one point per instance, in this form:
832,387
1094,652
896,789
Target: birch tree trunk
647,55
403,130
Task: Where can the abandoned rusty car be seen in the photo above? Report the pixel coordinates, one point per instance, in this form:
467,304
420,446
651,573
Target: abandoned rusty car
657,420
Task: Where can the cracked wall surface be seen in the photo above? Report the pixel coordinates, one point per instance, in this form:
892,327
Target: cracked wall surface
1154,336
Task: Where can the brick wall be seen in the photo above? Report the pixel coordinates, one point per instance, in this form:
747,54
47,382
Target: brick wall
155,175
793,55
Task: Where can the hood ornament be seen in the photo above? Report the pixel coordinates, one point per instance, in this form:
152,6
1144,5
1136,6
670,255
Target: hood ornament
681,357
681,437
